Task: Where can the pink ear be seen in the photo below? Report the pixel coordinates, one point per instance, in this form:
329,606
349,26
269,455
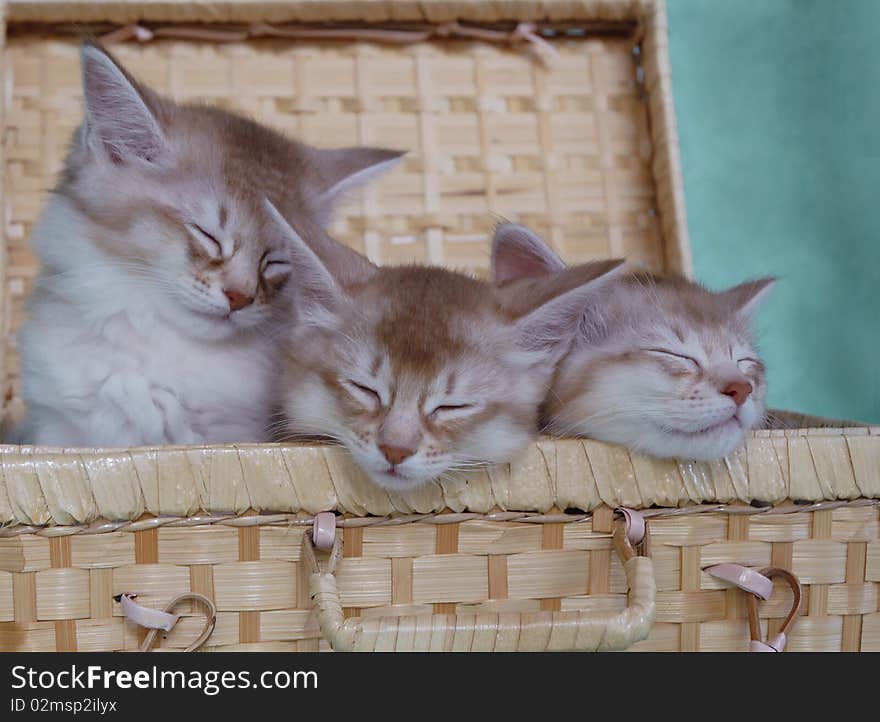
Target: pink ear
745,298
118,112
343,170
518,253
552,326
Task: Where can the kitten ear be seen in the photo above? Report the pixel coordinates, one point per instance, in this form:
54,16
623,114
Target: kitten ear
345,264
518,252
118,111
745,298
315,285
342,170
553,325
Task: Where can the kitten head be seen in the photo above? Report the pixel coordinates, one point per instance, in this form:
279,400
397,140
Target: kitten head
418,371
173,197
663,365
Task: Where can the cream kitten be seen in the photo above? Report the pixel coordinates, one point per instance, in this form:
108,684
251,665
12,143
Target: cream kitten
417,370
661,365
153,317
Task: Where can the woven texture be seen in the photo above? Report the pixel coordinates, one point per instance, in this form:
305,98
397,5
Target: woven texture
57,593
38,488
566,149
586,152
489,631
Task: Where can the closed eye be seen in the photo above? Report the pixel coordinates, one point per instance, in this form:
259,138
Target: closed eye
747,364
211,244
364,394
274,268
666,352
451,410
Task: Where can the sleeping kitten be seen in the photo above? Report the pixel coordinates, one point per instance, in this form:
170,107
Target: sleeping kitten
417,370
661,365
154,315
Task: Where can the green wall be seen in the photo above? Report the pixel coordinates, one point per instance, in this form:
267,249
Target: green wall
778,106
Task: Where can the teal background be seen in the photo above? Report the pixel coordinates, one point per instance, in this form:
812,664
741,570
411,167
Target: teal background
778,108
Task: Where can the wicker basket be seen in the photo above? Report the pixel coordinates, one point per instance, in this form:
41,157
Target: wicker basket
582,146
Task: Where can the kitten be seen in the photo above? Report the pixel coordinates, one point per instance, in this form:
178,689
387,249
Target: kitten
161,288
418,370
662,365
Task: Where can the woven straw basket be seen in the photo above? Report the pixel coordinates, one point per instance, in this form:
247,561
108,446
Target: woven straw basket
568,127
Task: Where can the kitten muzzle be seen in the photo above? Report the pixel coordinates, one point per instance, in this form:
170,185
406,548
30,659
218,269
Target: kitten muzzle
738,390
395,454
237,300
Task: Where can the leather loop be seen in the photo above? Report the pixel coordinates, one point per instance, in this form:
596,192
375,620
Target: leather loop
759,585
164,620
146,616
777,643
324,530
636,529
743,577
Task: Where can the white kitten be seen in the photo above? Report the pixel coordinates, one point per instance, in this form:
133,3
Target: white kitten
160,295
660,364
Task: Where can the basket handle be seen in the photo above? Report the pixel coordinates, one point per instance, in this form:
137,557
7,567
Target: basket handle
527,632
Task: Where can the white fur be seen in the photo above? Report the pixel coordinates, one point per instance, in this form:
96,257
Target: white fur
644,408
501,367
488,372
132,336
313,410
495,440
111,359
614,388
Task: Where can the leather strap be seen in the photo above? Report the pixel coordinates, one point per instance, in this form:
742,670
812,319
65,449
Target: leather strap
759,585
636,529
164,620
745,578
324,530
777,643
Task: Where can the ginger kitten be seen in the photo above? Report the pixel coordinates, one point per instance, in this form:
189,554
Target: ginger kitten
161,292
417,370
661,365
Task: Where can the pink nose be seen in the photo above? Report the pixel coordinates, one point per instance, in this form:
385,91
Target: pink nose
395,454
237,300
738,391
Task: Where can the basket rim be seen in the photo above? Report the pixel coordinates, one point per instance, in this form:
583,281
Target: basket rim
219,11
72,487
305,521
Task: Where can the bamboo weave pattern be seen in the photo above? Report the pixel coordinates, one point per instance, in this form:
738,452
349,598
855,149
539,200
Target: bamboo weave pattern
565,149
57,593
80,487
586,152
